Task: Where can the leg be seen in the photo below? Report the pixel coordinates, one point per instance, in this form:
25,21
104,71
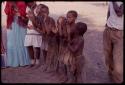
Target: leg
45,60
108,46
31,53
80,63
37,55
118,57
71,75
44,50
44,55
49,59
63,73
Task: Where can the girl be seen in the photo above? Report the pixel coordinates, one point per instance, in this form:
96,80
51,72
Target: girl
33,39
46,26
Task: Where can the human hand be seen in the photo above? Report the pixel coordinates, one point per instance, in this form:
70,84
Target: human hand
30,26
18,14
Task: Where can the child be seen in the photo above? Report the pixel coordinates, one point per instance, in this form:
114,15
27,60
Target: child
50,39
68,26
39,23
76,49
46,26
62,34
33,39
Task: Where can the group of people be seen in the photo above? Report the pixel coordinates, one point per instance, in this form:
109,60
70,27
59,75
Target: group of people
32,32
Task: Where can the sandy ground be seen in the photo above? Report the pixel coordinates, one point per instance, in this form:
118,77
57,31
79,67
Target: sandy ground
94,15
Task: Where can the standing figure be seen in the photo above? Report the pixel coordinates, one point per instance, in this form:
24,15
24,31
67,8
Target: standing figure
17,54
65,28
51,41
76,58
113,41
33,39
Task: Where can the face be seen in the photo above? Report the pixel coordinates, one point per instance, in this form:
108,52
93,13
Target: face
45,12
70,18
38,9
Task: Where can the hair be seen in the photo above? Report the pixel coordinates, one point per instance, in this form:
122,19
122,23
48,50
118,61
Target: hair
42,5
46,7
73,12
63,19
81,28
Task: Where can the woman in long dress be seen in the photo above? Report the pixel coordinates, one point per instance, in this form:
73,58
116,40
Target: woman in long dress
17,54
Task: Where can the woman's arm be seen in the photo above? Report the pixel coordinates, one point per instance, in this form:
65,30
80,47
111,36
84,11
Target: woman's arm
118,9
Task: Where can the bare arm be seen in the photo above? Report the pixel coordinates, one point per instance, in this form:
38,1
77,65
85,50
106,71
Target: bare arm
32,17
36,23
54,28
59,29
118,9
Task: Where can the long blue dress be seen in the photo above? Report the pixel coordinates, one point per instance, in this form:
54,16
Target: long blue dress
17,53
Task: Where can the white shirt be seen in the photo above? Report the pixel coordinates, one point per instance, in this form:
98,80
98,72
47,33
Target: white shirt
31,31
114,21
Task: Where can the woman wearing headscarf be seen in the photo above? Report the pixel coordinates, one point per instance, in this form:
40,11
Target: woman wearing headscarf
17,54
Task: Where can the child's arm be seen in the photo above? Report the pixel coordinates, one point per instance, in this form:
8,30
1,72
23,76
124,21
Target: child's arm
61,23
76,45
47,28
37,24
53,25
59,26
40,25
59,29
32,18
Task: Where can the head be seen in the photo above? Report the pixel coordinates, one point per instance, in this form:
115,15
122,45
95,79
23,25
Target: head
45,11
80,28
39,9
31,3
71,16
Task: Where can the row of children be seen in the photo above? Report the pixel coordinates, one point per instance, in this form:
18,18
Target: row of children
62,42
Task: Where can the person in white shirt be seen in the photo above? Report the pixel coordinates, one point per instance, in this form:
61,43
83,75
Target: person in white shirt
33,39
113,41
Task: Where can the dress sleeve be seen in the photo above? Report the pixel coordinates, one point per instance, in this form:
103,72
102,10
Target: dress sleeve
8,8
